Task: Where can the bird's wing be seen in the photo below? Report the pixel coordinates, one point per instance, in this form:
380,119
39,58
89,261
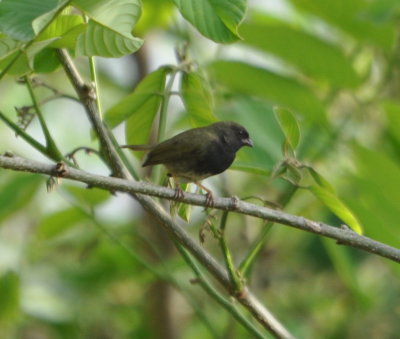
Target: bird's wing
183,146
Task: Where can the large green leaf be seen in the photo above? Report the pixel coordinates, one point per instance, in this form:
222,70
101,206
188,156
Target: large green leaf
375,194
276,89
198,99
392,110
58,222
16,191
8,46
102,41
353,18
88,196
108,33
17,16
217,20
25,60
140,107
309,54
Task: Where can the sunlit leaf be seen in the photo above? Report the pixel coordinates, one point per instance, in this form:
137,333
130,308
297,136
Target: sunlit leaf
66,28
331,201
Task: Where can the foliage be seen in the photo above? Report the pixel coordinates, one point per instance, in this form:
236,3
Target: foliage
317,86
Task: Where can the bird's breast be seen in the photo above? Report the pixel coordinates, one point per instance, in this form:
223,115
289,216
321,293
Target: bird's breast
213,161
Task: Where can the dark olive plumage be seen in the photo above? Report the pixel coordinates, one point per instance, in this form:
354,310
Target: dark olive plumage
198,153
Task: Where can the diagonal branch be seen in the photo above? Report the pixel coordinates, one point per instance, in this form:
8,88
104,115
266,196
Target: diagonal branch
344,236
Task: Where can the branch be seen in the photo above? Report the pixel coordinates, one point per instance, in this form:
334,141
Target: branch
344,236
260,313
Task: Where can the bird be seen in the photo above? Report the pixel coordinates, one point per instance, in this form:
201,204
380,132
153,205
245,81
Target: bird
197,153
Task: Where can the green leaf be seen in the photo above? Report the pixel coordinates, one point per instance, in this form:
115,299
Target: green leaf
8,46
155,14
9,295
88,196
289,126
392,110
108,33
16,191
280,90
352,17
345,268
308,53
330,200
293,174
46,61
243,167
98,40
375,194
197,99
217,20
25,61
17,16
320,180
65,27
140,107
56,223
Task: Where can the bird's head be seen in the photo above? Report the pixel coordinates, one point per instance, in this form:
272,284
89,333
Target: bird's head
233,134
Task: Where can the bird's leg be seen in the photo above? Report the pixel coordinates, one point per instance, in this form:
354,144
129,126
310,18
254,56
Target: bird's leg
179,195
209,194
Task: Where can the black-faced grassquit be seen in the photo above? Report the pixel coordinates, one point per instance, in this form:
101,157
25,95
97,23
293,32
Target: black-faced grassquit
198,153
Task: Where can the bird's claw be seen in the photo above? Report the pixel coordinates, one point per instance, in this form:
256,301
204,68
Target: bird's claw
235,203
209,199
179,195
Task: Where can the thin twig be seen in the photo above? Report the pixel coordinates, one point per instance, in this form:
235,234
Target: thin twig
210,290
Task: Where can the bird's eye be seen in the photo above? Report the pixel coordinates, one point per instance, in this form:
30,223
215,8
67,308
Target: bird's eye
243,133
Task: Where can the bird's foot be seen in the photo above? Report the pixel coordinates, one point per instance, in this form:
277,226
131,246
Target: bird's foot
209,199
235,203
179,195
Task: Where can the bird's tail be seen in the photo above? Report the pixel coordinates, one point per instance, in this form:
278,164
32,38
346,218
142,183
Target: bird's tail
138,147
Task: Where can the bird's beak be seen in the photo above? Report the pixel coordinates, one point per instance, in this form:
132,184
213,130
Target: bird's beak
248,142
